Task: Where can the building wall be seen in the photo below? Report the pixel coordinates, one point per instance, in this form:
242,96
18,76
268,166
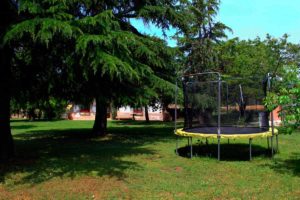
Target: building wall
127,113
130,113
123,113
277,118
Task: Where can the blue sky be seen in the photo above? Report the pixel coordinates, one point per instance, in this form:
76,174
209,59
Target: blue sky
251,18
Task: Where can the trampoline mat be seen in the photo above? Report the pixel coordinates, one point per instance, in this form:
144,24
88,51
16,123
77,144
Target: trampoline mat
226,130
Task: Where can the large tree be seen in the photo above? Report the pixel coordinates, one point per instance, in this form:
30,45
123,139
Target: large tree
244,58
8,14
94,45
203,34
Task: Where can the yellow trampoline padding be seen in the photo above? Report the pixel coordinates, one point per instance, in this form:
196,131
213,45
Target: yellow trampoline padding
181,132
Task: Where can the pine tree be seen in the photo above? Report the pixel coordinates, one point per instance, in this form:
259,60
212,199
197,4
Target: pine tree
101,54
200,39
8,15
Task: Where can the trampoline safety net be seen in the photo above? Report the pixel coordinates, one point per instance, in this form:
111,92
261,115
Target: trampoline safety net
236,102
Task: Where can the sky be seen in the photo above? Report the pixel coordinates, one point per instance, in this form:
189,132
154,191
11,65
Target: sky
249,19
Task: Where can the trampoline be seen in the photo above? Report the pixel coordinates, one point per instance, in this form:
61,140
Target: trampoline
225,108
227,132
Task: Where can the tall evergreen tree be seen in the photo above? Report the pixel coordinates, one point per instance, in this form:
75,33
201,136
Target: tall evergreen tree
8,14
101,54
202,35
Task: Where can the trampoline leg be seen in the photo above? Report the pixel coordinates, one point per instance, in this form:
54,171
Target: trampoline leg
272,147
207,147
277,149
191,147
177,145
219,148
188,141
250,149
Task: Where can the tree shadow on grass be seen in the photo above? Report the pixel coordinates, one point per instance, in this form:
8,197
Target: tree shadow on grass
144,123
19,120
229,152
134,122
46,154
22,127
284,166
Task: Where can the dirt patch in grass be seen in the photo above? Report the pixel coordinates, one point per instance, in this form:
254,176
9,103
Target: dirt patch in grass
23,196
4,194
169,170
178,169
78,188
165,195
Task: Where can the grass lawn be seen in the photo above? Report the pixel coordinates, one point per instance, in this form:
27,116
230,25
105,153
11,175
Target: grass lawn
57,160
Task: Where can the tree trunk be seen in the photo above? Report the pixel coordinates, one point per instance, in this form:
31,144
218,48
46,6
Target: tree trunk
100,124
6,140
113,112
146,114
9,13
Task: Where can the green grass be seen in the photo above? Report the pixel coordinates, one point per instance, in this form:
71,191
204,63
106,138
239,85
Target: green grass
58,160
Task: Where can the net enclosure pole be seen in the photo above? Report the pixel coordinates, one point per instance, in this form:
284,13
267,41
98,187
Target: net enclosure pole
272,120
175,115
272,125
272,116
219,114
227,92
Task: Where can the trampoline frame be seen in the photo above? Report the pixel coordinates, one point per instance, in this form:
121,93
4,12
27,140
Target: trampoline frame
267,134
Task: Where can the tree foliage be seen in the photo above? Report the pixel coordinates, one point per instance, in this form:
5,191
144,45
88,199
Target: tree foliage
203,34
286,96
95,51
253,59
